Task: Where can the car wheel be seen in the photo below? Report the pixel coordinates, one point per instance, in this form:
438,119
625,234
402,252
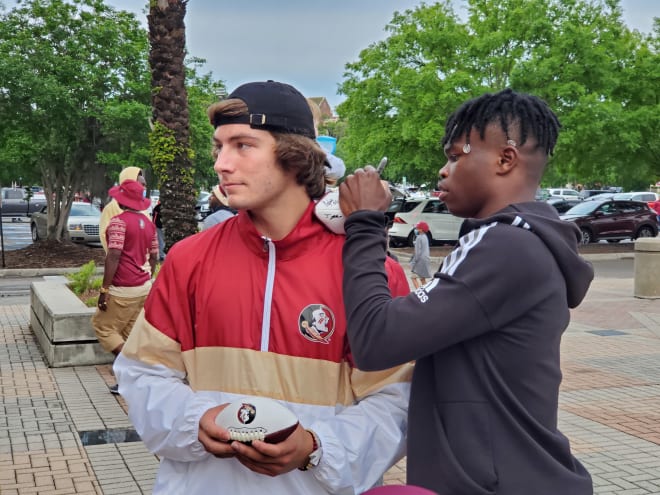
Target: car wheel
645,231
430,236
35,232
587,236
410,242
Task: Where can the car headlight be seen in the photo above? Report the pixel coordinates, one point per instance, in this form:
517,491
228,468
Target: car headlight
76,227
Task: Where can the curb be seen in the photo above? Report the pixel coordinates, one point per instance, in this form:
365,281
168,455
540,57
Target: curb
38,272
609,256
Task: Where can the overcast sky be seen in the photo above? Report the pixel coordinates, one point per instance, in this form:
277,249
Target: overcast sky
304,42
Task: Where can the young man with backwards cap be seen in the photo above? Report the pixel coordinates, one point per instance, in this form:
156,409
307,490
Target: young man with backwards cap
235,313
486,331
131,243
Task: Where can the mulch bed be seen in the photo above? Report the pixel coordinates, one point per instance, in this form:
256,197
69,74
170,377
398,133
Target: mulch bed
53,254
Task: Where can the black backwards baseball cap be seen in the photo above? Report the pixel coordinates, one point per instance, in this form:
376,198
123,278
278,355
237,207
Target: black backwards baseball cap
272,106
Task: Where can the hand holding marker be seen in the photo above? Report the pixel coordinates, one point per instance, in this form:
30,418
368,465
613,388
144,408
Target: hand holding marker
381,165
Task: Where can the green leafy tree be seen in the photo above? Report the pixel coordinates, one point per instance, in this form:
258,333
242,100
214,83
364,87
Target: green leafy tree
600,77
397,93
62,66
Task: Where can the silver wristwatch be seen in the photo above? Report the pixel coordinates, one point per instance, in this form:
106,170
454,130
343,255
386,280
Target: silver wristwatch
317,453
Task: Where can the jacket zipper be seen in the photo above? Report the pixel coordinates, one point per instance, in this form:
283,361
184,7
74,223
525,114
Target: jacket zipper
268,295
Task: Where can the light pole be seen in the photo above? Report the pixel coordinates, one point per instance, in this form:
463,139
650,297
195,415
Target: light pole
2,238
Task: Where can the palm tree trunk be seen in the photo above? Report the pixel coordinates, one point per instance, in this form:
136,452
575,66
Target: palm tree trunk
170,136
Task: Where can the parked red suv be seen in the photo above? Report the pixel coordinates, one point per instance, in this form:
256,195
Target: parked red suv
613,220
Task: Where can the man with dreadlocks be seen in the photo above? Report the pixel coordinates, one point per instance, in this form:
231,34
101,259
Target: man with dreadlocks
486,330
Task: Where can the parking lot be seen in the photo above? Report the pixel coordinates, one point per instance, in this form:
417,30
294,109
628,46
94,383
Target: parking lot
16,233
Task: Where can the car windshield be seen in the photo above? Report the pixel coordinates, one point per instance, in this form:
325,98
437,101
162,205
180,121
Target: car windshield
86,210
584,208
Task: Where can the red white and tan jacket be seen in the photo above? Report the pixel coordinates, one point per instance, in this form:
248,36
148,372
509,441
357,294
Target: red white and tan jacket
235,315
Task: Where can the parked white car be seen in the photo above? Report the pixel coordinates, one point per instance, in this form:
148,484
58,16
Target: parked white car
83,223
443,226
564,193
645,196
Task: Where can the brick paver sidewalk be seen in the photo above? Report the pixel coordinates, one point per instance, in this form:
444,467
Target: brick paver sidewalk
609,407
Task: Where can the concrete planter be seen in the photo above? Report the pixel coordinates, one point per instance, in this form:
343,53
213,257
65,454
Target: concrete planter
647,268
63,325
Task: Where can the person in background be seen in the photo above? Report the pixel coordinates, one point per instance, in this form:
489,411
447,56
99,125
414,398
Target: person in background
158,222
112,208
219,206
335,167
420,263
486,330
387,231
655,206
253,307
130,236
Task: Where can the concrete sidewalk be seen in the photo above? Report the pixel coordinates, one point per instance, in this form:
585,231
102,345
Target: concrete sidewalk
61,432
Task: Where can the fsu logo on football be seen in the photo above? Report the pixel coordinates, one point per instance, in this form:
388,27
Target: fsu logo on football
317,323
246,413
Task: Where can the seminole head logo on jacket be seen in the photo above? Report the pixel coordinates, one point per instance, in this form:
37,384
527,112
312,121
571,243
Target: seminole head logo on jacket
317,323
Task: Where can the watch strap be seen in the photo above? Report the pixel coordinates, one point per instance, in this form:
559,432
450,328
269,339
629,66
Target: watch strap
315,457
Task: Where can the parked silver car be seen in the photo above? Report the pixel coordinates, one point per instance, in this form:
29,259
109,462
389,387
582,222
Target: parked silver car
564,193
83,223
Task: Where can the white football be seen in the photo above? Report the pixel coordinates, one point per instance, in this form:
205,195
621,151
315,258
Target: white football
257,418
328,211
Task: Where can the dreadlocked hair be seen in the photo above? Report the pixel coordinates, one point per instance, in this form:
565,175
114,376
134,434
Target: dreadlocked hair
527,114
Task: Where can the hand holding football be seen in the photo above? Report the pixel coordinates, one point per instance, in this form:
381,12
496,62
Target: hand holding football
328,211
257,418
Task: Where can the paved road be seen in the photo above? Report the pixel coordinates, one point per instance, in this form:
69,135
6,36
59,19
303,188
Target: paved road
16,234
16,290
620,268
608,407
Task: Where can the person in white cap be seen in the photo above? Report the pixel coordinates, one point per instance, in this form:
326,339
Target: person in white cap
220,209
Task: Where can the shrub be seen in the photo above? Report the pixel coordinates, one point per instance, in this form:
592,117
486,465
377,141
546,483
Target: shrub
86,284
81,281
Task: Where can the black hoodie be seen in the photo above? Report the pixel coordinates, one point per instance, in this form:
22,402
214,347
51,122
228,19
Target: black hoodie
485,333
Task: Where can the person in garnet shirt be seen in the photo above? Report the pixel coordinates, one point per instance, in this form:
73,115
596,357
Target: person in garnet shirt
131,240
